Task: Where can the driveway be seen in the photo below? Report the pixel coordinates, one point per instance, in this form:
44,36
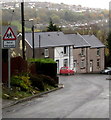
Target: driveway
83,96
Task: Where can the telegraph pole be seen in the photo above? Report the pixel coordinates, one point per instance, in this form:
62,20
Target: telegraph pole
23,30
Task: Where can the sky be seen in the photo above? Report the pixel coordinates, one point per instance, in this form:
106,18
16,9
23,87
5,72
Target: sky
104,4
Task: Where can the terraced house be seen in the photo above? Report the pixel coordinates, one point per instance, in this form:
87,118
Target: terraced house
83,53
88,53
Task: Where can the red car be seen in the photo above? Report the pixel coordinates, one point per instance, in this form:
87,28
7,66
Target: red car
66,70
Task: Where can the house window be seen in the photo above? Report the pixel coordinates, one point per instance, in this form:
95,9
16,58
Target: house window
82,51
65,62
82,64
46,52
98,62
65,50
98,51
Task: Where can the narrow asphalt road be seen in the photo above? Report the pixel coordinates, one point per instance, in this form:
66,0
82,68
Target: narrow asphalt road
83,96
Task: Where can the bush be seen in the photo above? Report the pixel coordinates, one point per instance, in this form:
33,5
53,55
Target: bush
37,81
18,65
48,80
21,81
40,80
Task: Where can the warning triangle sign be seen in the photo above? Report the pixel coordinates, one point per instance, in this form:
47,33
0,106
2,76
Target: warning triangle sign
9,35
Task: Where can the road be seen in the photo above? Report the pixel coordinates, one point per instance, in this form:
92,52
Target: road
83,96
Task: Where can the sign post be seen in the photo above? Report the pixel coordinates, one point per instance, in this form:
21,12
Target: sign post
9,68
9,41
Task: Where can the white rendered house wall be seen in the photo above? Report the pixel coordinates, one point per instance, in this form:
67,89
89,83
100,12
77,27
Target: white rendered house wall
60,57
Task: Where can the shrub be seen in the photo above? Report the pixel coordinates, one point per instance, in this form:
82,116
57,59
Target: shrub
48,80
21,81
18,65
37,81
40,80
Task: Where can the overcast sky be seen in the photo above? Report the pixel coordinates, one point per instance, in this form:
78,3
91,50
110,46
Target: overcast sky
84,3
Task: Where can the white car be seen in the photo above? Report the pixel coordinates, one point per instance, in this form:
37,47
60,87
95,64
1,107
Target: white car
106,71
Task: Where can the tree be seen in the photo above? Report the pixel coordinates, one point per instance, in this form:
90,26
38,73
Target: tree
55,18
109,47
109,43
52,27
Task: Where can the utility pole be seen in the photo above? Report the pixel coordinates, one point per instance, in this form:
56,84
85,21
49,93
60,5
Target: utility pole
39,44
23,30
33,41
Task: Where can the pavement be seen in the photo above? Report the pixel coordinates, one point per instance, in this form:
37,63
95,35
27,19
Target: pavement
8,103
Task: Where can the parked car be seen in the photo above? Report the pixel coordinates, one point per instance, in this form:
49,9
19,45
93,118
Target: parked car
106,71
66,71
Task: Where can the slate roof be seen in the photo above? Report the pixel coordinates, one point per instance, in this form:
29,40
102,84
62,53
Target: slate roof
57,39
77,40
93,41
48,39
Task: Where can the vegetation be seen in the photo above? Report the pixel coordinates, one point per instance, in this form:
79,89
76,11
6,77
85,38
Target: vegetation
14,93
24,86
42,82
21,81
25,83
42,60
109,43
108,57
62,16
52,27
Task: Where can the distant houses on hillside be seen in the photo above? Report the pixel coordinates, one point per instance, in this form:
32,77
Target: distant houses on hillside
83,53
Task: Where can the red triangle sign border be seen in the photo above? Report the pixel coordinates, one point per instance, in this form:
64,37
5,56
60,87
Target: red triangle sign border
14,37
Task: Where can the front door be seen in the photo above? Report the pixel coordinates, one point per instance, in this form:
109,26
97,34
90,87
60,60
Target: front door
66,62
91,66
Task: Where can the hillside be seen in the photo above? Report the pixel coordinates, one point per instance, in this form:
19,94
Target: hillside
61,14
69,17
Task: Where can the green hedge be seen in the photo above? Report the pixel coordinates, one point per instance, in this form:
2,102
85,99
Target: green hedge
47,67
42,60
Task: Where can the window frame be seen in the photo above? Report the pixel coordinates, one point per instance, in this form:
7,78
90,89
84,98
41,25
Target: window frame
82,64
65,50
82,52
98,51
98,63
